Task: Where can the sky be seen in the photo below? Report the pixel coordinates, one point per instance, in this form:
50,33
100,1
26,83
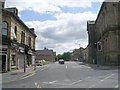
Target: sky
60,25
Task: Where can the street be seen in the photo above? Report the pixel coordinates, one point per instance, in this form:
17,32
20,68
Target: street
68,75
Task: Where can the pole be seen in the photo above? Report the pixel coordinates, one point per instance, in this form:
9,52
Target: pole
24,61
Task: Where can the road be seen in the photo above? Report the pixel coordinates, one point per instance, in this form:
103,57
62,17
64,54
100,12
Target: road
68,75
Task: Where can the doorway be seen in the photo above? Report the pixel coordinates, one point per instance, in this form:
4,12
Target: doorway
3,63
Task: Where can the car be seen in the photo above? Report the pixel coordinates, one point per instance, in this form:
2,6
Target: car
38,63
61,61
81,63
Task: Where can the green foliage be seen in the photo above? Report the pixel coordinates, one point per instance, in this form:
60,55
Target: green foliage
45,62
59,56
66,56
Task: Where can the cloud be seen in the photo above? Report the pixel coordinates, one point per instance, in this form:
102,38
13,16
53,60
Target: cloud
48,6
64,32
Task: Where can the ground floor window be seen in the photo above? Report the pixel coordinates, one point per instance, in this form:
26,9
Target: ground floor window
13,62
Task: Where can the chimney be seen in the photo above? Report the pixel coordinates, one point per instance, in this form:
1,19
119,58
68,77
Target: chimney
32,29
13,10
2,3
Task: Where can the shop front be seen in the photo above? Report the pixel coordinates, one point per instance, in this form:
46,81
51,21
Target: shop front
4,60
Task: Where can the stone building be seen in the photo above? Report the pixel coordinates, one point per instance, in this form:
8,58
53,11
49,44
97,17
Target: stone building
46,54
104,35
18,41
85,54
77,54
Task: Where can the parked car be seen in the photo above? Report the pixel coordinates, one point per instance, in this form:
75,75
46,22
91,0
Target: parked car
61,61
81,63
38,63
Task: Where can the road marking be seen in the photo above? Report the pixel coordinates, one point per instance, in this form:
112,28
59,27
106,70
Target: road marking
107,77
91,87
116,86
19,78
86,66
52,82
66,66
43,69
37,85
27,76
76,82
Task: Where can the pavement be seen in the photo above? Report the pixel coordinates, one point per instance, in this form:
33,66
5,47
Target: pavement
99,67
19,74
102,67
68,75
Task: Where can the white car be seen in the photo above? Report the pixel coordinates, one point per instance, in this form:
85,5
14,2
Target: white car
61,61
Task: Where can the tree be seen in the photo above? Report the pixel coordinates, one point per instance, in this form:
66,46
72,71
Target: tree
66,56
59,56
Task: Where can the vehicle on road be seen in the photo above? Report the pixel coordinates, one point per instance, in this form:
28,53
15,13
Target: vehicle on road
61,61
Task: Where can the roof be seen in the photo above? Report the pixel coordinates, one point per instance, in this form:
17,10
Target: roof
16,17
91,22
44,52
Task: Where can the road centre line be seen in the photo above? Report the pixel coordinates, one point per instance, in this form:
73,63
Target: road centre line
66,66
106,77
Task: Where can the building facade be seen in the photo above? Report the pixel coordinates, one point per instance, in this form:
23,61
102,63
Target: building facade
77,54
104,35
46,54
85,54
18,41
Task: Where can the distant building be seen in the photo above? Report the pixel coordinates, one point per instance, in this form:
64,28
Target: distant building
18,41
46,54
85,54
104,35
77,54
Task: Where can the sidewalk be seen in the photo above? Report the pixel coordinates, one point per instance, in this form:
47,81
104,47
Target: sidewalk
19,74
102,67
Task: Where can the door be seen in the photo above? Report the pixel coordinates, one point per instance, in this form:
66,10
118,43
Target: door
3,63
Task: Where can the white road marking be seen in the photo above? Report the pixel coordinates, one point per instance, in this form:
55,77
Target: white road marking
66,66
53,82
91,86
106,77
76,82
37,85
116,86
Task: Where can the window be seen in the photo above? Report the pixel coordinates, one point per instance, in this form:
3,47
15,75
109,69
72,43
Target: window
5,28
23,37
15,31
29,41
99,46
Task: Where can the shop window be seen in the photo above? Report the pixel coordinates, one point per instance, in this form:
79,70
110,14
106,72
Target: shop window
4,28
13,63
